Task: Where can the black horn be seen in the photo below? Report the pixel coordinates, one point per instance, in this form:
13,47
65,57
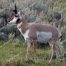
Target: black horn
15,10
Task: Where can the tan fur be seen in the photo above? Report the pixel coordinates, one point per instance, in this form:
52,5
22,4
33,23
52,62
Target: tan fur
32,37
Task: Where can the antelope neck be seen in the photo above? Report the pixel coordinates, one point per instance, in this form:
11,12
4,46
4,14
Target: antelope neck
23,27
24,31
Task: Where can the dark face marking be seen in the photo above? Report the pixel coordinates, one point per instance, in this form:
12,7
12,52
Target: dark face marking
18,21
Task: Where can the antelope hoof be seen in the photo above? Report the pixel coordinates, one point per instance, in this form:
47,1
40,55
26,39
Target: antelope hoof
28,60
50,62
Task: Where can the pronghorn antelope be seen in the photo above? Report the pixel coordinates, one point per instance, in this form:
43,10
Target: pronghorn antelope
35,32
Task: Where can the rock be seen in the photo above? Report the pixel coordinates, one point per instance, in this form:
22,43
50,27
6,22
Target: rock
2,22
3,36
10,28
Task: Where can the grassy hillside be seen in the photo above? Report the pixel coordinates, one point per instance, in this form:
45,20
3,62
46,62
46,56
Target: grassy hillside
13,54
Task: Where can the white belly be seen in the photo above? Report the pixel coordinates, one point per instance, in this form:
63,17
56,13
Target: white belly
43,37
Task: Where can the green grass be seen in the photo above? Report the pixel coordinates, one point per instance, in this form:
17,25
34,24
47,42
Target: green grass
12,54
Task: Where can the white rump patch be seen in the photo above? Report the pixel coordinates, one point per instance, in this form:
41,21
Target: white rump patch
43,37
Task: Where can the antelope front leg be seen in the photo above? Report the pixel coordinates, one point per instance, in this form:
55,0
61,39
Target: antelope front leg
35,50
28,48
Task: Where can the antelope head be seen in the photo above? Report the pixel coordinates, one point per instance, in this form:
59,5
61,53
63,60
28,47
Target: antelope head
18,18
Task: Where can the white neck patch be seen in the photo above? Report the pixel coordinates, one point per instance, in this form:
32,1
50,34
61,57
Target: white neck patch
25,35
19,25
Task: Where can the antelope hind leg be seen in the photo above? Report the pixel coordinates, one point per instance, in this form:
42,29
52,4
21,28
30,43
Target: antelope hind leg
52,50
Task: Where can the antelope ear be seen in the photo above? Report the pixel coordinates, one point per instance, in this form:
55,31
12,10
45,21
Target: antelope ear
15,10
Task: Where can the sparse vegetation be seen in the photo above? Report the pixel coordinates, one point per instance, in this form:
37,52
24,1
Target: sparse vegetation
11,54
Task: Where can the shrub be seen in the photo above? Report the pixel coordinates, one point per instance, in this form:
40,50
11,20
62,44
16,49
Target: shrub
63,37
